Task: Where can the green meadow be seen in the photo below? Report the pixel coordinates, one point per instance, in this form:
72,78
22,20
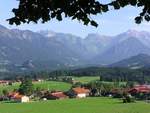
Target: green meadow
50,85
53,85
86,79
88,105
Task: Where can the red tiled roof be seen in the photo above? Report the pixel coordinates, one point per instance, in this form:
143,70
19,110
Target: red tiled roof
18,97
79,90
58,95
140,89
3,81
15,95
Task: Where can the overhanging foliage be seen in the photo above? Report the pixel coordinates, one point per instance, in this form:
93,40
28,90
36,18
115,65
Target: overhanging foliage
45,10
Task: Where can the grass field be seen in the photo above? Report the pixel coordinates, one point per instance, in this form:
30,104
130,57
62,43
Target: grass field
88,105
51,85
86,79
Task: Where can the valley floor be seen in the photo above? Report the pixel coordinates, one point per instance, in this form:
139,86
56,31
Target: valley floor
87,105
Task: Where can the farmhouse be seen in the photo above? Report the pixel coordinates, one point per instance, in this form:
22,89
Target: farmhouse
140,89
16,97
79,92
22,99
56,95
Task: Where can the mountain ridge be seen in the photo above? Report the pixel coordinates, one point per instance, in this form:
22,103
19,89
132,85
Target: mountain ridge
66,50
134,62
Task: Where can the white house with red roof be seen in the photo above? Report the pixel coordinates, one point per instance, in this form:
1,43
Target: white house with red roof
79,92
16,97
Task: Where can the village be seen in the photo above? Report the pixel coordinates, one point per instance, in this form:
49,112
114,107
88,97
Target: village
77,91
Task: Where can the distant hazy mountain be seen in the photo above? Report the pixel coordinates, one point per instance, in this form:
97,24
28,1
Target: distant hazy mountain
124,46
27,50
87,48
47,33
96,44
17,47
125,49
134,62
46,49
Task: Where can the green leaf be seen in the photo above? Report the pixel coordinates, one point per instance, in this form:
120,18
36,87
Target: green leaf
59,17
138,19
104,8
93,23
133,2
147,18
116,5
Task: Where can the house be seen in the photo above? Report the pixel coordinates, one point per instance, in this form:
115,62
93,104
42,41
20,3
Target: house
79,92
4,82
25,99
55,95
16,97
139,89
22,99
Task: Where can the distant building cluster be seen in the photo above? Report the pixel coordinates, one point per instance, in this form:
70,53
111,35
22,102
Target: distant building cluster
137,91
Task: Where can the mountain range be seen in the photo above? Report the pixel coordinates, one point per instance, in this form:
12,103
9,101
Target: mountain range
47,50
134,62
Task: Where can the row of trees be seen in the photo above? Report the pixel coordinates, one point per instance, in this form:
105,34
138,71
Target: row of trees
130,76
106,74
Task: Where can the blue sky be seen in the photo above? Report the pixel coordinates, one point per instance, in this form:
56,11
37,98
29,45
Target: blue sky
111,23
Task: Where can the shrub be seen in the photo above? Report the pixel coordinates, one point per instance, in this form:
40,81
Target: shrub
128,99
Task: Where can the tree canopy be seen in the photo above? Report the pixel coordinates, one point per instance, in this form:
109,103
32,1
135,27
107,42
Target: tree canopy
26,87
45,10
